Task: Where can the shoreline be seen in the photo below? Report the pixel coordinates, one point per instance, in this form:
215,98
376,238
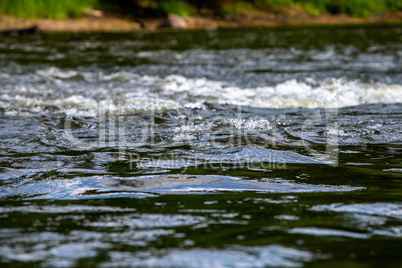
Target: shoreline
110,24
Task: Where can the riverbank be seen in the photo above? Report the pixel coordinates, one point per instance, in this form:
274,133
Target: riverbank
112,23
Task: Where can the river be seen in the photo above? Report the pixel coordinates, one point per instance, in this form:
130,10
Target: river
225,148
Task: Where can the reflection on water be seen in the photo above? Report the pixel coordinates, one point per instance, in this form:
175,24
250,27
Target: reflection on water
235,148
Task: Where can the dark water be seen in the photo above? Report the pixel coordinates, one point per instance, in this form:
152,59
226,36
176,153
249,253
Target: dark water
235,148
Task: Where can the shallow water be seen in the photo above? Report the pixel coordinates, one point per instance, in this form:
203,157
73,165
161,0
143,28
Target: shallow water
230,148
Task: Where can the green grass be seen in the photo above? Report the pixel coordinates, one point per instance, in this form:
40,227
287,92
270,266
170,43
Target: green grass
57,9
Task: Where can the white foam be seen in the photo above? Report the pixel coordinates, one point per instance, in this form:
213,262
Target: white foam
130,92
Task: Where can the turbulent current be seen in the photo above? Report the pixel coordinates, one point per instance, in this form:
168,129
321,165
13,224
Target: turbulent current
227,148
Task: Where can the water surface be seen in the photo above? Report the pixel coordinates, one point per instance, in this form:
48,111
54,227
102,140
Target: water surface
229,148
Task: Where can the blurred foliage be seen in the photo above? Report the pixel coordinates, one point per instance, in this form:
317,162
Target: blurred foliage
273,3
147,7
228,8
394,4
361,8
224,8
178,7
57,9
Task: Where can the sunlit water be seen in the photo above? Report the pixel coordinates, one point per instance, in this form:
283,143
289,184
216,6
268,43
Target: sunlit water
235,148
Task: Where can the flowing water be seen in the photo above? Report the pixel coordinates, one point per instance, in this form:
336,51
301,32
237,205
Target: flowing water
228,148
